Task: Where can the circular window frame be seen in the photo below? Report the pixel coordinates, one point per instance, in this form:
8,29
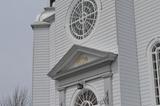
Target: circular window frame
67,23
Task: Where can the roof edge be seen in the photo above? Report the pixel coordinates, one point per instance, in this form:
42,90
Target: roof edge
106,56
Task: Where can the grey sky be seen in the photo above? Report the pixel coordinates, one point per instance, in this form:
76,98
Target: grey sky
16,42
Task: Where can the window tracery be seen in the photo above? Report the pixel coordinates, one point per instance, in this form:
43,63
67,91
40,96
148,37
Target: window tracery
156,70
83,18
86,97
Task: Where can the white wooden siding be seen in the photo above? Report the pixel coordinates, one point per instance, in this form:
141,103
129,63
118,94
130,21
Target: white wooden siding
97,86
104,38
40,79
147,16
53,91
116,84
127,57
69,94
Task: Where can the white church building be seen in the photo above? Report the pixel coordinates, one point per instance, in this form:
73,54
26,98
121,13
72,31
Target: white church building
97,53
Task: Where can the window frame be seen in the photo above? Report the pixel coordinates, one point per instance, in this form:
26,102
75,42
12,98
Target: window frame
150,65
67,21
156,71
81,92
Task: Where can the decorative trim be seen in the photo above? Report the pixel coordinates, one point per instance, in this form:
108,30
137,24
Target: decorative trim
108,90
62,97
83,18
105,61
106,75
150,70
104,57
61,89
76,92
40,25
90,100
48,15
50,19
84,81
151,43
68,33
49,8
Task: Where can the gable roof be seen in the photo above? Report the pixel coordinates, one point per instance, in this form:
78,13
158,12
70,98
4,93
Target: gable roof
68,59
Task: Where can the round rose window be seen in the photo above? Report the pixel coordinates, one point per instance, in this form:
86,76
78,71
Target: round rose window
83,18
85,98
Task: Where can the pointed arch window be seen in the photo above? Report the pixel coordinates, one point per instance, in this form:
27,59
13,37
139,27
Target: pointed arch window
156,70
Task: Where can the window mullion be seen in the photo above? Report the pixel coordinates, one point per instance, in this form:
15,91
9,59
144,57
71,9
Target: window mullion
157,71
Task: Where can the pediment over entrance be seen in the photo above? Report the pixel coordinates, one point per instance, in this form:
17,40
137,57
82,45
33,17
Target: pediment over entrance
79,58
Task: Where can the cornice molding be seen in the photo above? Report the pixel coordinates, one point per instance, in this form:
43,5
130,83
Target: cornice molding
103,75
40,24
61,69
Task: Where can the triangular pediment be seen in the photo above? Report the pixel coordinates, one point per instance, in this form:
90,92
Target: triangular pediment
77,58
82,59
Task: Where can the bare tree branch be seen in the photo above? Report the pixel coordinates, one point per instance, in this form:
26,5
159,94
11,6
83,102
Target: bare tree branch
20,97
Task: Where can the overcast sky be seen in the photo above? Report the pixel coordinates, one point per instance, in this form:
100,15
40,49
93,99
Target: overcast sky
16,42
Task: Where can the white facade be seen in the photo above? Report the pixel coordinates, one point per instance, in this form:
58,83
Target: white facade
114,59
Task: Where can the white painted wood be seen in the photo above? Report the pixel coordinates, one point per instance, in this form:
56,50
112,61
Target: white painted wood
41,82
52,63
97,86
127,58
70,92
114,32
149,57
147,28
104,37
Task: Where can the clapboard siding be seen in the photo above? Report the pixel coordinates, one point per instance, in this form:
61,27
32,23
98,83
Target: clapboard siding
69,94
104,35
127,58
116,90
125,29
97,85
147,16
62,43
116,84
52,63
40,68
103,38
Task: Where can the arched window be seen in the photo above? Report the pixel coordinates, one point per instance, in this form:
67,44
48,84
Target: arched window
86,97
156,70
